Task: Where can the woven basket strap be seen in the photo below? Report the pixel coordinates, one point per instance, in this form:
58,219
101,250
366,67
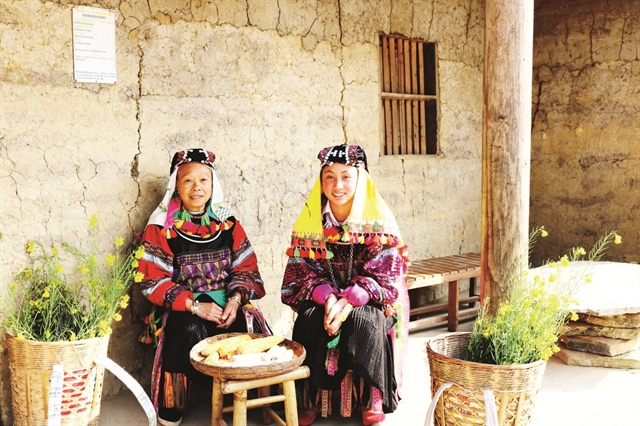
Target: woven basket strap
133,386
491,414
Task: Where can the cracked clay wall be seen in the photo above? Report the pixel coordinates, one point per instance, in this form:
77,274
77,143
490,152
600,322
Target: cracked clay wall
265,85
585,161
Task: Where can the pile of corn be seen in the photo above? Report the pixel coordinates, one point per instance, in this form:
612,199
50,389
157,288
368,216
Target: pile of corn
243,351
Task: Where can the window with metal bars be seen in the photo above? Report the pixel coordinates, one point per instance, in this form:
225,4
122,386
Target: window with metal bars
409,96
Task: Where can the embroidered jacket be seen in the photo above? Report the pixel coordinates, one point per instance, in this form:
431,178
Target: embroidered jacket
377,269
176,268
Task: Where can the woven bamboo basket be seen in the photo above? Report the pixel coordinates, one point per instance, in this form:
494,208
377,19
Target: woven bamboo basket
31,365
514,386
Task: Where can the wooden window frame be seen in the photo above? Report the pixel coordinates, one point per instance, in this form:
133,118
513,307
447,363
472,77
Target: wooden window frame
409,95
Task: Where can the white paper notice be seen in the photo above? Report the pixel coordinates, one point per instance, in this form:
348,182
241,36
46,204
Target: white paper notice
55,395
94,45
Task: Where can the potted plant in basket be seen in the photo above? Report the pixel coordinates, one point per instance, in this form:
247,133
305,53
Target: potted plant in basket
492,375
59,311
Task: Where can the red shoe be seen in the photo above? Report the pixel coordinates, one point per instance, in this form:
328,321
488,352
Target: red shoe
371,417
308,416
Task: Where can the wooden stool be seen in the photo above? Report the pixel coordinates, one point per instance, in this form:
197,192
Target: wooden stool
239,390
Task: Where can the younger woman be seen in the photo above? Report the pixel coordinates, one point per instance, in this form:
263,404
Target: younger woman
345,279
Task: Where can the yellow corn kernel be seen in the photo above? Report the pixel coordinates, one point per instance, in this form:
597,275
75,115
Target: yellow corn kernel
258,345
227,345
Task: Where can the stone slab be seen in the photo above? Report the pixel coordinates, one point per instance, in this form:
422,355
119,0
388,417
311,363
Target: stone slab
580,328
620,321
586,359
613,290
600,345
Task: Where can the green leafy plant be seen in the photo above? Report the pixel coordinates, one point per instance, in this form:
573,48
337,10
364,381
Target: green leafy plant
528,323
46,303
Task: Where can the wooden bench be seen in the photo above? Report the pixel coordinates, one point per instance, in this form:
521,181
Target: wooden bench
449,269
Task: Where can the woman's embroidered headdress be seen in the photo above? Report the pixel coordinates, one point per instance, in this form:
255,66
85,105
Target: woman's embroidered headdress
170,211
370,220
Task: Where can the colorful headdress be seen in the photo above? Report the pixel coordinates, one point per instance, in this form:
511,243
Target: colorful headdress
370,220
351,155
168,211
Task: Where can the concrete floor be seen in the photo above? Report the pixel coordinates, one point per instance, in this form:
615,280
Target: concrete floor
570,396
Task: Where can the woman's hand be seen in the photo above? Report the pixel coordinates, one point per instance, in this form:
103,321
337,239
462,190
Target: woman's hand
210,312
230,311
332,309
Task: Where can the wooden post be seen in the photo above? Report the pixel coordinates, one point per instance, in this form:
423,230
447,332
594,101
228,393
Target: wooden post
506,142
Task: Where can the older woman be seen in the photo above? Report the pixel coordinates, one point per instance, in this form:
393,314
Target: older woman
344,277
200,268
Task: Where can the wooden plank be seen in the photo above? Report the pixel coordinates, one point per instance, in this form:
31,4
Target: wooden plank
408,96
393,67
435,307
415,140
422,113
408,114
402,142
386,87
425,282
454,295
424,322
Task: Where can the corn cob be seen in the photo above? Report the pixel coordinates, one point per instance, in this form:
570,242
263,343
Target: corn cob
258,345
225,346
213,359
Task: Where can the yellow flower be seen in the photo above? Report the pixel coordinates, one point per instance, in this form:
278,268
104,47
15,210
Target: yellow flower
581,251
552,278
123,304
54,250
588,278
564,260
30,246
46,293
93,220
552,264
74,311
543,233
617,240
59,269
20,336
47,334
13,286
119,241
84,270
574,316
72,337
138,276
85,318
555,349
117,317
111,259
135,263
139,252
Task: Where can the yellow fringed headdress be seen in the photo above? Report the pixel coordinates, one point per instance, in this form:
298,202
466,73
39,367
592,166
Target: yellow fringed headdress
370,220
